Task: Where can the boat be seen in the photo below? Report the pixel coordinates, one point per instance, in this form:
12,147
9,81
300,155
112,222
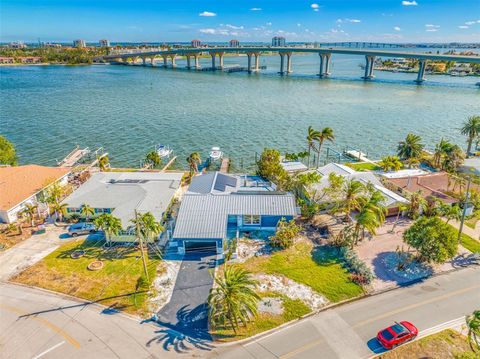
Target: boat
163,151
215,154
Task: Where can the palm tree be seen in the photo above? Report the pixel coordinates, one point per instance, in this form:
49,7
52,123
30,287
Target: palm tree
390,163
453,158
325,135
103,163
471,129
109,224
193,162
416,204
86,211
411,147
233,300
153,158
30,211
452,212
352,191
441,150
371,214
312,137
402,207
473,326
149,226
60,209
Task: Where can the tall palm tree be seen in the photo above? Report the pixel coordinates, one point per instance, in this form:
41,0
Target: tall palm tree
390,163
109,224
416,204
30,211
193,162
352,191
371,214
103,163
411,147
233,300
325,135
312,137
87,211
471,129
473,326
441,150
153,158
451,212
149,226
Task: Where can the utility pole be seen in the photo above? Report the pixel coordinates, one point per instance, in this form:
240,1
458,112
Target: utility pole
464,213
140,240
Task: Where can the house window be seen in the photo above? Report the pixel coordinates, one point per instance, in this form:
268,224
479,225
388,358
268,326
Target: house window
251,220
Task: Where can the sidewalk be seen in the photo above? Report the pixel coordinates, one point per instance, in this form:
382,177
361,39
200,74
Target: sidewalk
474,233
30,251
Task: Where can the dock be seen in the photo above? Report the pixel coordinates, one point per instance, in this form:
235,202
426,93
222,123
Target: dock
169,164
362,157
74,157
225,164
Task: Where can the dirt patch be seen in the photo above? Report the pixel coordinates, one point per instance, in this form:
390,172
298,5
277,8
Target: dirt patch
269,305
164,284
249,248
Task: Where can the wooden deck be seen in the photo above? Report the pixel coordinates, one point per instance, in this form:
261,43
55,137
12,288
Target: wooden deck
169,163
224,165
362,157
74,157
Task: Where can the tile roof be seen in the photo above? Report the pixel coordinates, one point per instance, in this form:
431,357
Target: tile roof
19,183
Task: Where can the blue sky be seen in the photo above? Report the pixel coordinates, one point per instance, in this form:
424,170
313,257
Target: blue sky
246,20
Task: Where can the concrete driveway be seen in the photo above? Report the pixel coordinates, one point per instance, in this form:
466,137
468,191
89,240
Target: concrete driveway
30,251
187,310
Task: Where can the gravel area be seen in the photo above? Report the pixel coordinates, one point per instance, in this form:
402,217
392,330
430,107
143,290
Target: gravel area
164,284
270,306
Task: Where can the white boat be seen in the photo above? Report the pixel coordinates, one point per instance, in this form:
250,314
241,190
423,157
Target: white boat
215,154
163,151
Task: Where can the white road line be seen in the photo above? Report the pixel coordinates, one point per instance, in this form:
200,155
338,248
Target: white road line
49,350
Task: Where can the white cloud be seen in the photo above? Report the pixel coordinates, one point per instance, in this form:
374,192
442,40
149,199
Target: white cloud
396,28
208,31
409,3
355,21
234,27
432,26
431,30
256,9
299,25
315,6
268,24
207,14
463,27
470,22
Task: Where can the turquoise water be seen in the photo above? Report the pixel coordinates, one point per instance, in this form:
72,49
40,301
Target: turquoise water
46,110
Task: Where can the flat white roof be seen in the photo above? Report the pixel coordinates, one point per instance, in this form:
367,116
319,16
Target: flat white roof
404,173
293,166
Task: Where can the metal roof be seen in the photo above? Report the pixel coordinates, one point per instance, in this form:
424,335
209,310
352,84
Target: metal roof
126,192
206,216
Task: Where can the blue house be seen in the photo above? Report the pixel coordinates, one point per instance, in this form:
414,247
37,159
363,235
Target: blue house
218,207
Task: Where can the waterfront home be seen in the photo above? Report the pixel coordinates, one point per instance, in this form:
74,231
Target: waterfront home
124,193
293,166
392,201
219,207
435,185
7,60
22,185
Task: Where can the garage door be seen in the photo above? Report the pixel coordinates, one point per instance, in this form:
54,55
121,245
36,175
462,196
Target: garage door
196,246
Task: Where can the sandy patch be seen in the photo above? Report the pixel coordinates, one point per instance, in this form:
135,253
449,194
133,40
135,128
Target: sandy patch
270,306
164,284
291,289
249,248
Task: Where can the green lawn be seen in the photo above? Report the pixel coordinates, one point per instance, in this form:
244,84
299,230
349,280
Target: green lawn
363,166
292,309
118,283
318,268
472,221
468,242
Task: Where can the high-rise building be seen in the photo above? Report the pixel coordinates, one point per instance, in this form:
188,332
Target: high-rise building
79,43
278,41
104,43
196,43
234,43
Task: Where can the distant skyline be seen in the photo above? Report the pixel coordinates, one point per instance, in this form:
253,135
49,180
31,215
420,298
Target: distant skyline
252,20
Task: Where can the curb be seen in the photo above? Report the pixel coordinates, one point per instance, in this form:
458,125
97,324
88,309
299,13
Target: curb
334,305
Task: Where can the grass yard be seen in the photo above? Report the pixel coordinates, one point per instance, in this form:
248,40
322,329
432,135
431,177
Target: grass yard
468,242
120,283
472,221
444,345
363,166
318,268
292,309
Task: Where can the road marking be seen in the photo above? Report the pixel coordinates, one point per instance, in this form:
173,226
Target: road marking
412,306
49,350
46,323
302,349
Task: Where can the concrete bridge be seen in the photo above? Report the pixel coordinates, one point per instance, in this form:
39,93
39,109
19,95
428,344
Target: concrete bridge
286,53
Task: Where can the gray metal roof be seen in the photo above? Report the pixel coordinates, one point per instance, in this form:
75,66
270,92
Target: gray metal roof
126,192
206,216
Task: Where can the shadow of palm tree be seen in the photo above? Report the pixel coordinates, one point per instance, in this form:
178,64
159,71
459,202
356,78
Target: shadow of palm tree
190,331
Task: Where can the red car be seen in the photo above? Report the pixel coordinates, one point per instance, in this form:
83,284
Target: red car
397,334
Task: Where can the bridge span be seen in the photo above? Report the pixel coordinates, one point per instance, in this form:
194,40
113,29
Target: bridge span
253,57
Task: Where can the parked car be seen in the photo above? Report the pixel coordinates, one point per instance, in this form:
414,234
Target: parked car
81,228
397,334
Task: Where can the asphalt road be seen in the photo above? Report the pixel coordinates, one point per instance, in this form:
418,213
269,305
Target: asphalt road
349,331
37,324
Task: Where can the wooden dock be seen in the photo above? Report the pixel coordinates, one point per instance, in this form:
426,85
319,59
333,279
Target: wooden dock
169,164
74,157
362,157
225,164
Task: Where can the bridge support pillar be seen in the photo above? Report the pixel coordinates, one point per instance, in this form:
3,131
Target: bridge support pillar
257,61
197,61
289,62
282,63
144,61
249,61
220,57
165,60
152,60
324,65
172,58
189,64
369,66
421,71
213,55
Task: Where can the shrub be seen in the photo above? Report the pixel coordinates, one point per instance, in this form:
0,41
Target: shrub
286,232
360,272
